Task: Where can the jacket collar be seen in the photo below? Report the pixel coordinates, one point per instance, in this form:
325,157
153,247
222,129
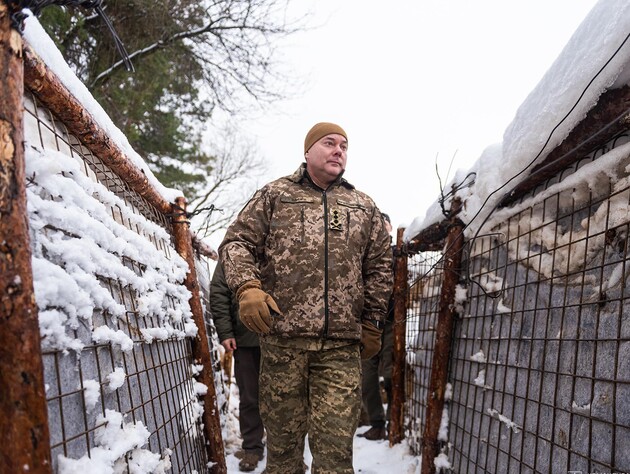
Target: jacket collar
301,175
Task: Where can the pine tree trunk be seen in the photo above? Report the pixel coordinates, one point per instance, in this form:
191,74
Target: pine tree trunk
24,436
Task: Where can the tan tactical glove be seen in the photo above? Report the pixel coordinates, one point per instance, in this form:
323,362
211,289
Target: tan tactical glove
370,340
253,307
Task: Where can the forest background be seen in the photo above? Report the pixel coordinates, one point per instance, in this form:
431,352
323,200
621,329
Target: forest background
191,59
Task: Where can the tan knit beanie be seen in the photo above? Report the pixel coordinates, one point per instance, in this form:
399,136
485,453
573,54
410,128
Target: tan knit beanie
320,130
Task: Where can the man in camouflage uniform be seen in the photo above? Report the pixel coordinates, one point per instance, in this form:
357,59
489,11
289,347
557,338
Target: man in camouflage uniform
310,262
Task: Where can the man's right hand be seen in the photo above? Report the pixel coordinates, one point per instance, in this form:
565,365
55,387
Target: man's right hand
253,308
229,344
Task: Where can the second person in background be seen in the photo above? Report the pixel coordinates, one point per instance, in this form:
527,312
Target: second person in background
376,367
244,345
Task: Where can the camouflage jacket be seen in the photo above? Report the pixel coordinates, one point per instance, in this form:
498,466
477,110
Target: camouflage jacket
324,256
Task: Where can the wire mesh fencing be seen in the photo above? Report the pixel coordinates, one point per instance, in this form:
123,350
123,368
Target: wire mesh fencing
539,379
120,377
425,277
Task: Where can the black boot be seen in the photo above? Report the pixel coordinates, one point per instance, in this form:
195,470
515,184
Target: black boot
375,433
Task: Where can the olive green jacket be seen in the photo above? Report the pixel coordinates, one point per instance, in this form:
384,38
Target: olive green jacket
324,256
224,310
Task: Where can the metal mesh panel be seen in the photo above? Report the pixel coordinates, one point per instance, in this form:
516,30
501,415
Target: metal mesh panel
158,390
549,304
539,362
425,278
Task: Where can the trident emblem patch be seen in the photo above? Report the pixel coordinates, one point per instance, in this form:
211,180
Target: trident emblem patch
335,220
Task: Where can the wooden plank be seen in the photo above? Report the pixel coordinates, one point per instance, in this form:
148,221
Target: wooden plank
608,118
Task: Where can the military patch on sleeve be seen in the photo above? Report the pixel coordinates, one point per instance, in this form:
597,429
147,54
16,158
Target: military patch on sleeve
336,218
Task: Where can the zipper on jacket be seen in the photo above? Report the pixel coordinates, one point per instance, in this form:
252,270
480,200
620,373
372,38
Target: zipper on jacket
303,231
348,226
325,201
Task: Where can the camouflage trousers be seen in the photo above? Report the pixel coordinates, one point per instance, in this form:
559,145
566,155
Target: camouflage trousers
310,386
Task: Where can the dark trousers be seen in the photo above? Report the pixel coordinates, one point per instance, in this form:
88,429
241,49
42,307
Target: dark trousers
247,370
380,364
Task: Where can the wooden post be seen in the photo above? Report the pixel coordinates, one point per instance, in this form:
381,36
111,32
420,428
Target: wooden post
444,333
396,428
24,435
201,351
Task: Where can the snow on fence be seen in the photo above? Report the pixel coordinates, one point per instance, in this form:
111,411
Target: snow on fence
538,378
128,357
517,322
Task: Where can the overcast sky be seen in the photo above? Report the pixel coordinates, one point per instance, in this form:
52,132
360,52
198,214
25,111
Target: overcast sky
410,81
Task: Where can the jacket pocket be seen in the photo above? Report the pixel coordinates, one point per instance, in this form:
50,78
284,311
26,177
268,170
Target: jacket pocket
293,216
292,200
351,205
355,215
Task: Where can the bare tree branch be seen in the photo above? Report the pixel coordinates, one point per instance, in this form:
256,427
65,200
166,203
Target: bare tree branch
229,186
248,31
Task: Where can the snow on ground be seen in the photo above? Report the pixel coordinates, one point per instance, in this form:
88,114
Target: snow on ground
370,457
